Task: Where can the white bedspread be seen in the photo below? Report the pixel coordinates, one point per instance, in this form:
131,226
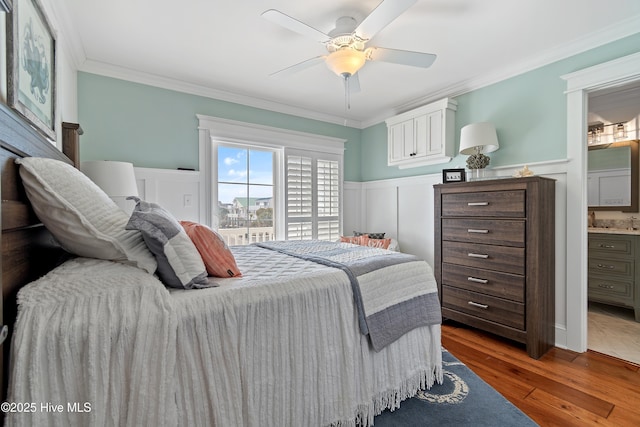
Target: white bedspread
268,349
284,338
94,332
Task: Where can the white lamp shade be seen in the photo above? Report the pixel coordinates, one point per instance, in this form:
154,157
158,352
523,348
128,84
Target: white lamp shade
117,179
482,135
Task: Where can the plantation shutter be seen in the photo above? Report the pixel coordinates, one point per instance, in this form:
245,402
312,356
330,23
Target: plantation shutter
299,198
328,189
313,186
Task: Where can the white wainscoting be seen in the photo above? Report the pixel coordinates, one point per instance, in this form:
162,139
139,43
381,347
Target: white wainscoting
175,190
403,208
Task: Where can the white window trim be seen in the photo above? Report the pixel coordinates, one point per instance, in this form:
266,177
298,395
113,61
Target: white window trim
214,130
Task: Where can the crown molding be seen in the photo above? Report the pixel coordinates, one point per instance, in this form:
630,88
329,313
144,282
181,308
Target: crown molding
596,39
609,34
114,71
66,33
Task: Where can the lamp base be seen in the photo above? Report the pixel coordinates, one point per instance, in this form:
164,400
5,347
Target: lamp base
476,174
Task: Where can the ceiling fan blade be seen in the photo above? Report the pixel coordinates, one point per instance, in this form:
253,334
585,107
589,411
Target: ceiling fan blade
404,57
382,16
294,25
298,67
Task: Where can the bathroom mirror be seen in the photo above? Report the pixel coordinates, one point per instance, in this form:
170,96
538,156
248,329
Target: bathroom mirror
613,176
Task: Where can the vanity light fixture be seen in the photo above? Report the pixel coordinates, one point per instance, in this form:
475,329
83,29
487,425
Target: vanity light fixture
594,133
619,131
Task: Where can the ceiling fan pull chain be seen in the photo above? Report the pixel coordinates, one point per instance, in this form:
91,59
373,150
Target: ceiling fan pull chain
347,94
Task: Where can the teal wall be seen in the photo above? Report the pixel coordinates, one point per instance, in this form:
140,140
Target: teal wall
153,127
529,112
157,128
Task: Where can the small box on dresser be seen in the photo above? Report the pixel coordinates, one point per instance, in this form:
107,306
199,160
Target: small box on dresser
495,257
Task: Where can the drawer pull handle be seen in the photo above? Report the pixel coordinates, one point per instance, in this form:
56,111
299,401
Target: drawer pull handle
473,230
476,280
483,256
604,286
475,304
602,245
607,266
478,204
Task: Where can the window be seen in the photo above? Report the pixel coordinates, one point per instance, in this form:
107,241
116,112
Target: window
245,194
306,180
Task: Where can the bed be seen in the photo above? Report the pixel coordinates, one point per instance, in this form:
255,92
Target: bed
99,342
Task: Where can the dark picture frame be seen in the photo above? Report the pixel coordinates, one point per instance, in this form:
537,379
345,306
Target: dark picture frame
453,175
31,65
5,5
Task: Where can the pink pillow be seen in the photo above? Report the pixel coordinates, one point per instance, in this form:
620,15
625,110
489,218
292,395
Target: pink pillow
215,253
375,243
356,240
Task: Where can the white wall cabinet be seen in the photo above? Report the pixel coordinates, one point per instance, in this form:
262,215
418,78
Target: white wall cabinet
423,136
609,187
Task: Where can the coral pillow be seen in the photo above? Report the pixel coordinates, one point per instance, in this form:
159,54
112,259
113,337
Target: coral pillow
375,243
215,253
355,240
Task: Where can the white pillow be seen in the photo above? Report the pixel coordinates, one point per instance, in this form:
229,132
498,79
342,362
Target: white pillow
80,215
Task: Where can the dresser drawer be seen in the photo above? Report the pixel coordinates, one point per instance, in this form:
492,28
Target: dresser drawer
487,231
606,290
620,268
489,257
498,310
503,285
485,203
613,246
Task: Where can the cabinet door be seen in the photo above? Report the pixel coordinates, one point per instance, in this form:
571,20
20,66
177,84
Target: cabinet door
401,141
421,133
428,134
435,144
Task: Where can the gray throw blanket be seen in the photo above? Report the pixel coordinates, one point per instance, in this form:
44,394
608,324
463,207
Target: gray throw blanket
393,292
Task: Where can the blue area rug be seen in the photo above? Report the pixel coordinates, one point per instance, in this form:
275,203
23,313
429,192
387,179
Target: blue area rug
463,399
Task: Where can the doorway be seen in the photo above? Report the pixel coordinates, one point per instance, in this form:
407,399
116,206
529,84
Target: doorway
613,118
611,74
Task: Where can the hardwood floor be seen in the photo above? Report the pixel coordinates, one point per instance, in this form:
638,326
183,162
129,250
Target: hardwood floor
562,388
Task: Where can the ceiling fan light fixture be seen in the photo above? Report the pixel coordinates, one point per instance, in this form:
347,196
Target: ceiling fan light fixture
346,62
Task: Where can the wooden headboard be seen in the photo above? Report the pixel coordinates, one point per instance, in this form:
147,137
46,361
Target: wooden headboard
28,249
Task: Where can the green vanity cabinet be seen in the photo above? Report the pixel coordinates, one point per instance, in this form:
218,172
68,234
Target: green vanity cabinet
614,270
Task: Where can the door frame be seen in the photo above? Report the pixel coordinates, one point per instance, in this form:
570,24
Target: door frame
579,84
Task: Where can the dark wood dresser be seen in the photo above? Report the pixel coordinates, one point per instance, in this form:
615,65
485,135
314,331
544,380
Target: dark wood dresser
495,257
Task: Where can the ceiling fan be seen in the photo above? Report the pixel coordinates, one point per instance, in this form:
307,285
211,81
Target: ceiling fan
346,44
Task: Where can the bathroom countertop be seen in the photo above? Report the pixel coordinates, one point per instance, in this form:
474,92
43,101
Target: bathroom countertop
602,230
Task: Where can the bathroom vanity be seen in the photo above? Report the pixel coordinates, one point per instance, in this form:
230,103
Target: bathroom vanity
614,267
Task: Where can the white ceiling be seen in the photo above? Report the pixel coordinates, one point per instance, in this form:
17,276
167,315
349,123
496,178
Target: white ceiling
226,50
615,105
